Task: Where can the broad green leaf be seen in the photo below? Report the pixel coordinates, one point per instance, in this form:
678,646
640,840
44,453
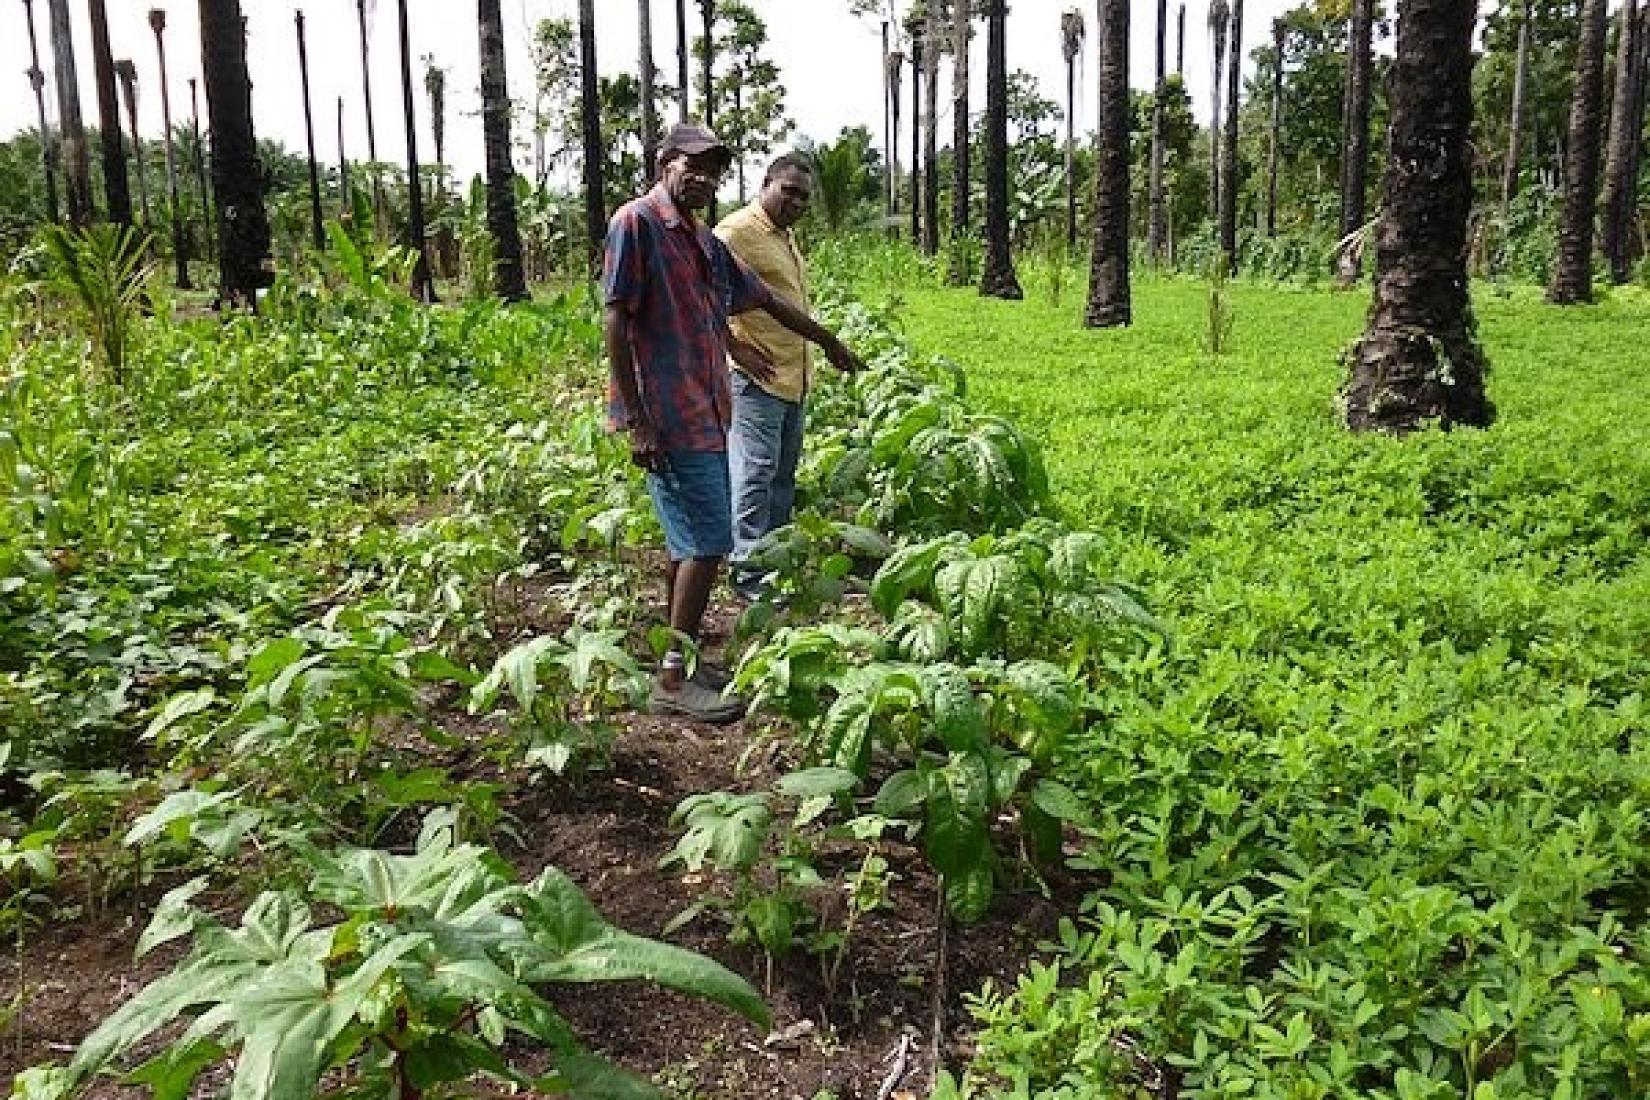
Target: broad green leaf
968,893
954,815
171,1074
901,793
814,782
585,1076
177,708
174,917
1059,802
727,829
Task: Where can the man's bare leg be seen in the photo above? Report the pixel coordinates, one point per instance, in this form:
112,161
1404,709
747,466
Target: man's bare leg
690,584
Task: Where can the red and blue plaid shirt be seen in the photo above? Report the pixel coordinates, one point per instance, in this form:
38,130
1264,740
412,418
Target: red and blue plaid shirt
678,284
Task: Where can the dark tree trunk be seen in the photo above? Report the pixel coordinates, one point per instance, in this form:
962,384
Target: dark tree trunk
180,247
958,273
590,125
116,185
126,73
650,121
317,233
1109,299
237,173
1620,171
896,62
1229,150
423,287
77,162
931,135
1180,43
998,279
707,14
1157,221
1360,69
1515,123
372,128
1274,151
345,200
1573,276
1418,363
508,280
208,220
1220,23
48,143
1072,33
918,70
682,57
889,139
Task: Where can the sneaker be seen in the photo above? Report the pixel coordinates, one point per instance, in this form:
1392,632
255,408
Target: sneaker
712,676
696,701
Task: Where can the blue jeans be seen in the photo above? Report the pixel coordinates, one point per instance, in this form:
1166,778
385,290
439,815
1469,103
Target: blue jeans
764,444
690,497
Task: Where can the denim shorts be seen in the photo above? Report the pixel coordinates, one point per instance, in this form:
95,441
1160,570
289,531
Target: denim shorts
694,503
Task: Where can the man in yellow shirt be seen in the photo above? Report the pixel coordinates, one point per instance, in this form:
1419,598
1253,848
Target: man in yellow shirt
772,370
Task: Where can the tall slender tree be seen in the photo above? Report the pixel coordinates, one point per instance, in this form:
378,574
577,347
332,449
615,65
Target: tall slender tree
1418,362
590,117
318,235
998,279
919,68
237,172
1515,120
423,287
893,70
126,74
345,201
649,120
1274,148
509,281
1157,220
890,176
1072,32
1180,43
1220,25
363,23
48,141
957,271
682,47
77,161
1621,168
1109,301
1229,149
934,31
198,153
180,247
435,87
1572,280
1360,69
116,184
707,60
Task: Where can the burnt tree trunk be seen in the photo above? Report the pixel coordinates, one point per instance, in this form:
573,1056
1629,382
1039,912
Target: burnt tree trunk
423,285
318,235
208,221
919,63
649,120
116,185
126,73
934,32
682,59
180,247
1109,298
1360,69
1220,22
1072,32
48,143
1229,148
1275,148
1572,280
1515,121
378,211
958,273
1180,43
77,161
1157,220
509,282
1620,170
237,172
998,279
590,126
1418,363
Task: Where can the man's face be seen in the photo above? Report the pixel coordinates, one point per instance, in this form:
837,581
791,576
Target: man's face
691,179
786,196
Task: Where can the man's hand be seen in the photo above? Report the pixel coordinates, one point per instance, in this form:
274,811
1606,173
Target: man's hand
843,359
645,450
751,361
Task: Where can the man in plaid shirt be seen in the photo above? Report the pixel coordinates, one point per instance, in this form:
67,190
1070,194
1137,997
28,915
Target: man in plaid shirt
669,286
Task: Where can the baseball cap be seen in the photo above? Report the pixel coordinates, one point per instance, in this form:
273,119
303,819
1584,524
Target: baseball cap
689,139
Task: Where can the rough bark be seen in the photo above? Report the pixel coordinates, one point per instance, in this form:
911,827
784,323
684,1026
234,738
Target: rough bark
1360,70
590,127
116,185
958,273
1229,148
423,285
650,122
509,282
1109,298
48,142
237,172
180,247
1274,149
1572,280
77,161
1157,219
918,69
998,279
1620,174
1220,21
126,73
931,134
1418,362
1515,120
317,233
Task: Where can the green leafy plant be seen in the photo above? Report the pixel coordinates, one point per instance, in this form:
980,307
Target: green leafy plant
105,269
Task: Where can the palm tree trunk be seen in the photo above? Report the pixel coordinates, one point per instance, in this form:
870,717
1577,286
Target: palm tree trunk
237,173
1572,280
896,62
919,64
998,279
208,220
1229,151
1515,123
48,143
1109,303
682,58
180,248
931,135
1180,43
707,15
509,282
958,273
1220,20
1157,221
116,185
423,287
378,211
888,139
650,121
1274,151
1072,32
590,124
1418,362
77,163
345,201
318,235
1355,137
1620,171
126,73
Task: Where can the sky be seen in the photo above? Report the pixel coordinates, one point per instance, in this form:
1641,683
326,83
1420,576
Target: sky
829,62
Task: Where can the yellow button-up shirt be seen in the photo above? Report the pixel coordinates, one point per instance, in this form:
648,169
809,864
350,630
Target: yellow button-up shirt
752,236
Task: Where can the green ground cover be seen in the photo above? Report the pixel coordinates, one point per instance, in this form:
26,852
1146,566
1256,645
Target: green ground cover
1375,823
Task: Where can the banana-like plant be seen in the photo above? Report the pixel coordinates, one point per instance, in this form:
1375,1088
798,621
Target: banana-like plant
106,270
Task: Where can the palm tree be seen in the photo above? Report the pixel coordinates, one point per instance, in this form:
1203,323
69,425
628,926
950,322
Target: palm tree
509,282
590,118
237,172
77,164
198,154
682,60
1109,299
1220,21
1157,222
958,273
892,68
180,250
916,35
126,73
1621,167
116,185
707,14
1360,68
1515,121
317,232
1418,362
1572,280
423,287
1279,38
48,144
650,123
934,31
998,279
344,199
1229,151
1180,43
366,102
1072,32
